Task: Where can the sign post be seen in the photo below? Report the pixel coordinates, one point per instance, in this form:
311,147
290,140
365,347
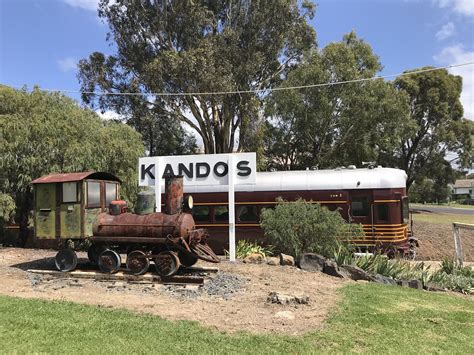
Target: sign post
205,169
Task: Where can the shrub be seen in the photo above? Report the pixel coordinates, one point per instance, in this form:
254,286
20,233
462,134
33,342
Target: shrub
298,227
245,247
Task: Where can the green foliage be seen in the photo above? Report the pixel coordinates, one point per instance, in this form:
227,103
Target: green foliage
245,247
454,277
298,227
47,132
436,114
334,125
199,47
369,319
7,207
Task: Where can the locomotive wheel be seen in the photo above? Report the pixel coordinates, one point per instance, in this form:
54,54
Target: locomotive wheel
187,259
93,253
167,263
109,261
66,260
137,262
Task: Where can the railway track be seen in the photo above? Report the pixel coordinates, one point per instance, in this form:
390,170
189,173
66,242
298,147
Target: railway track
190,275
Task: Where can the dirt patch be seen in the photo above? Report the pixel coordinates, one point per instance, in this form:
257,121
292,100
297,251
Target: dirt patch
234,300
436,241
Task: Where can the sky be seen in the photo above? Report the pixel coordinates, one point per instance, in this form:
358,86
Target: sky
41,41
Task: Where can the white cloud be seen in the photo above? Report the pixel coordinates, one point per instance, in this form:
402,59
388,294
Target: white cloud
90,5
67,64
446,31
109,115
456,55
463,7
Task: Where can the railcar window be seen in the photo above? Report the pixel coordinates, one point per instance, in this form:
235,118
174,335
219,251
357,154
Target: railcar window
93,194
406,210
248,213
360,206
69,192
201,214
110,192
221,214
382,212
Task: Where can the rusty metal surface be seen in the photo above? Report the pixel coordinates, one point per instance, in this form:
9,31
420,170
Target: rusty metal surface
153,225
173,194
71,177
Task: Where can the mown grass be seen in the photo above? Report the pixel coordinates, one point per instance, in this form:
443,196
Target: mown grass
443,218
371,318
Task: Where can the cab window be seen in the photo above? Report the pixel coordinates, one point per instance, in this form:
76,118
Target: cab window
248,213
110,192
406,210
93,194
360,206
201,214
221,214
69,192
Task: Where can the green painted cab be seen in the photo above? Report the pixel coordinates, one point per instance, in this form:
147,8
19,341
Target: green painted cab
66,205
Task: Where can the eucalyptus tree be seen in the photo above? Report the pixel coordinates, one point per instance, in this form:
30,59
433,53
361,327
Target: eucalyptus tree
199,47
334,125
43,133
436,114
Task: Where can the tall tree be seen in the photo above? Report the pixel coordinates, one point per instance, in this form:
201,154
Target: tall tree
334,125
44,133
197,47
437,115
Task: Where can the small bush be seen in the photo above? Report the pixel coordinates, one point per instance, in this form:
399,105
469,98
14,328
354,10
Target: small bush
245,247
297,227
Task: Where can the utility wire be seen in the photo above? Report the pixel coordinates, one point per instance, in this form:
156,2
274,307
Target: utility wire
256,90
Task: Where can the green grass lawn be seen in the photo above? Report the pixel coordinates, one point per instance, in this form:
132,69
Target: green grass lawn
443,218
371,317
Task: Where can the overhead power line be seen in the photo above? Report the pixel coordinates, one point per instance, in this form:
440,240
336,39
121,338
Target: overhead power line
101,93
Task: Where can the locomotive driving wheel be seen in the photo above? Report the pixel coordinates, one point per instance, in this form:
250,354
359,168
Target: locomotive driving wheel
66,260
109,261
93,253
167,263
137,262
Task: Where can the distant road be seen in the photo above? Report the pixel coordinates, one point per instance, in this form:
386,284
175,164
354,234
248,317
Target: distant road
442,209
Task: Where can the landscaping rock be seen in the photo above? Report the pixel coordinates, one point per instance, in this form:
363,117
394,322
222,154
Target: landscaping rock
312,262
402,283
431,286
273,261
383,279
287,260
276,297
254,258
415,284
331,268
356,273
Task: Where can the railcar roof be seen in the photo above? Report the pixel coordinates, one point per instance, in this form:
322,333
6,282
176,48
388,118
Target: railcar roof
334,179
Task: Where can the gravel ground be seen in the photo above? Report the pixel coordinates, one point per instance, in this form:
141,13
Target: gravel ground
234,299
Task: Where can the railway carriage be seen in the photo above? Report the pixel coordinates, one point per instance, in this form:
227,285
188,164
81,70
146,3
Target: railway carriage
374,197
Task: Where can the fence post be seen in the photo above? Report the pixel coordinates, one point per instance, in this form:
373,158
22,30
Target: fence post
457,244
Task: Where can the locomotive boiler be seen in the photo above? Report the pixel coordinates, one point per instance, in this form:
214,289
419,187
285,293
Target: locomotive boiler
168,239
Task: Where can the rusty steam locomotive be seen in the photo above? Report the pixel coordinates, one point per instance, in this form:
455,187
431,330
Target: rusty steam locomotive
80,207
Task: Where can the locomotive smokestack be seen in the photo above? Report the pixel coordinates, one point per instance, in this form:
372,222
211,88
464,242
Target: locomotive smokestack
173,194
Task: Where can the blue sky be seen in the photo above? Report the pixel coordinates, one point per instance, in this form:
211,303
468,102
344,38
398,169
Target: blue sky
42,40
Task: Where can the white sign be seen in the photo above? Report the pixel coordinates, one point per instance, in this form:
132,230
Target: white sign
204,169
